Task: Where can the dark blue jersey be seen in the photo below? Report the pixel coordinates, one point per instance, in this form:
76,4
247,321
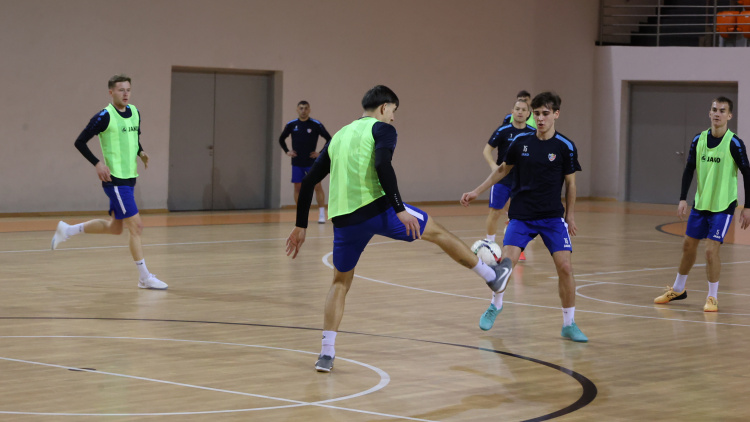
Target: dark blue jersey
507,119
540,170
304,139
501,139
736,148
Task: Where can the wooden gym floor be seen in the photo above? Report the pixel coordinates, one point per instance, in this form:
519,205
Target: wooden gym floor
236,335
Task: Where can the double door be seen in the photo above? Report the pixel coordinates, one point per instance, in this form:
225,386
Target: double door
219,141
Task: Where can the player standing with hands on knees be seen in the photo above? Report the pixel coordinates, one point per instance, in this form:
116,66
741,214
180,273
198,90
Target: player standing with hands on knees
543,161
119,130
364,200
715,154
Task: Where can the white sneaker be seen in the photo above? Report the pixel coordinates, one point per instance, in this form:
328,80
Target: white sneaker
152,283
321,220
60,235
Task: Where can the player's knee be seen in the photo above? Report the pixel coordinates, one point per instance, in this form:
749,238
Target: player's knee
565,268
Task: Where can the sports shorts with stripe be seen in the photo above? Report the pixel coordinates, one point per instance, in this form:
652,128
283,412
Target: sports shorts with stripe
708,225
554,233
350,241
121,201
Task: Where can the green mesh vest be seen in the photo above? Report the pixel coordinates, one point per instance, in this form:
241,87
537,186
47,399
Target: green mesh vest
354,182
120,143
717,174
529,122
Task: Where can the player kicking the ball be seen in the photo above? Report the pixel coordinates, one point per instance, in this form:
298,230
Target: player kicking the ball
364,201
543,160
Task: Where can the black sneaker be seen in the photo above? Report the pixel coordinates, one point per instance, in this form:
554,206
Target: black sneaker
324,363
503,269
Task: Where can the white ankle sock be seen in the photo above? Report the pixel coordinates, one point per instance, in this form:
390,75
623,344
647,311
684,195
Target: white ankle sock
322,212
713,289
490,237
328,342
74,230
484,271
679,283
142,270
497,299
568,316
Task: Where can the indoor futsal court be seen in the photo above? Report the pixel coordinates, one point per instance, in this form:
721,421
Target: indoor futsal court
236,335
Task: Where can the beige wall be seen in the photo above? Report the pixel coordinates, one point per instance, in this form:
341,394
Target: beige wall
617,66
455,66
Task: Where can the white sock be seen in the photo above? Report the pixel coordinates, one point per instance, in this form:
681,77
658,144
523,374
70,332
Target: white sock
568,316
679,283
329,340
74,230
497,299
142,269
322,211
490,237
713,289
484,271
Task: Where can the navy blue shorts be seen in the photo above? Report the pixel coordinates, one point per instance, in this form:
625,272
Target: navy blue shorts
554,232
499,195
350,241
121,201
299,173
712,226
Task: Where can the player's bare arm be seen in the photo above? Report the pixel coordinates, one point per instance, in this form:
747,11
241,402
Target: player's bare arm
494,177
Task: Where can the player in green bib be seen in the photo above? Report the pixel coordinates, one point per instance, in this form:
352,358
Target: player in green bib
715,155
118,127
363,201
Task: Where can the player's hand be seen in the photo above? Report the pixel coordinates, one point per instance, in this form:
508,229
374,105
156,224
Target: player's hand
572,229
144,158
468,197
314,154
682,210
103,172
411,223
745,218
291,153
294,241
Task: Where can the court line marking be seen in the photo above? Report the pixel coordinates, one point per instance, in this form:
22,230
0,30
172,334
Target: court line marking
557,308
384,380
595,283
213,242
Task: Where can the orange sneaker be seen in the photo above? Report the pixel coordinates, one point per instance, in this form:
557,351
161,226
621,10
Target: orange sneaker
670,295
712,305
522,257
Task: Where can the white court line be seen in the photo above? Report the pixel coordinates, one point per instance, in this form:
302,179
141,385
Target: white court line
595,283
214,242
557,308
384,380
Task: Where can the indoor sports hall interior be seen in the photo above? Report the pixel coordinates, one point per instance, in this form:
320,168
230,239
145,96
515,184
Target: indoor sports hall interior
236,334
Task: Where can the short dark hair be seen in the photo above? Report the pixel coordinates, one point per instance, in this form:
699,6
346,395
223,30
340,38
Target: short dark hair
546,99
523,93
117,78
303,102
722,99
377,96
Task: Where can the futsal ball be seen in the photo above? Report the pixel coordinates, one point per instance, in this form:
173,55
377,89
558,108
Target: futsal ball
488,251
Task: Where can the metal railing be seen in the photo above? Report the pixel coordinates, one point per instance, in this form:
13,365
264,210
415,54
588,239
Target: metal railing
663,23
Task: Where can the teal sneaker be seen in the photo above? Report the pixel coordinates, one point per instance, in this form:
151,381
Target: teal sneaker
488,317
574,333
